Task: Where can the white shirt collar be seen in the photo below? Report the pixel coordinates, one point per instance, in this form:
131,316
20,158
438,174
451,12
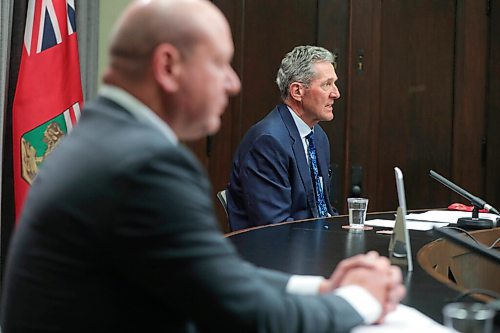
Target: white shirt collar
303,128
138,109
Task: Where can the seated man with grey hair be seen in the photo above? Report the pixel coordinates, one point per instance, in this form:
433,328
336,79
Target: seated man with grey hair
281,168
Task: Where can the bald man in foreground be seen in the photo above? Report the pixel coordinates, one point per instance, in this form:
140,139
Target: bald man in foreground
118,233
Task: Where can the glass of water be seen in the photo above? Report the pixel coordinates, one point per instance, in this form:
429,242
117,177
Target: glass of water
357,212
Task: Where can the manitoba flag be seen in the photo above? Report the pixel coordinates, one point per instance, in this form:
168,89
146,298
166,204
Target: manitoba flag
48,95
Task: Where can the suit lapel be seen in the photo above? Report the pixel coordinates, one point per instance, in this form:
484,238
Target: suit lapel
300,157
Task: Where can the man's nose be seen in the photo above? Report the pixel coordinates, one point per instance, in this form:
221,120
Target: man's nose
335,92
233,83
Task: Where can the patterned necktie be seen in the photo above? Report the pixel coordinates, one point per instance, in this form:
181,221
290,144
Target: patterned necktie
313,165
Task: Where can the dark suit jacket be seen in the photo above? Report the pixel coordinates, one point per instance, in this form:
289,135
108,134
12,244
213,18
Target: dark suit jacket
118,234
270,180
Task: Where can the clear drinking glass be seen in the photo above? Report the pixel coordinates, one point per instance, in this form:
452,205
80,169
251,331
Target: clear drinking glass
469,317
357,212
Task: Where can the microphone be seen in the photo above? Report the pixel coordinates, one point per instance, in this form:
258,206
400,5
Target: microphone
475,201
466,222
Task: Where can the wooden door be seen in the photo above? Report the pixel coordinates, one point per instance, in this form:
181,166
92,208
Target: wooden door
403,115
414,97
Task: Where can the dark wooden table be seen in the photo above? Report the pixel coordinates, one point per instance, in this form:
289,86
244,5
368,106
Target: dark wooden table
316,246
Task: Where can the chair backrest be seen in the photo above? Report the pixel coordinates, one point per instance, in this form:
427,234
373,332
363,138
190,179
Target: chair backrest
221,195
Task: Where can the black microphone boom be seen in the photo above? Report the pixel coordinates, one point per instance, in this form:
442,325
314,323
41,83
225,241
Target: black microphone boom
475,201
466,222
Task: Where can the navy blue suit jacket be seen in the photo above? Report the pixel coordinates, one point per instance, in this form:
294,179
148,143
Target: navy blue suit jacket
270,180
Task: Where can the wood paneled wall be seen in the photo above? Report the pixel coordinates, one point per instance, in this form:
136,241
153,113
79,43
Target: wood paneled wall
470,100
419,85
492,176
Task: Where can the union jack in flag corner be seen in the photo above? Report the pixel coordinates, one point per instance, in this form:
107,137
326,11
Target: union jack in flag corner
48,95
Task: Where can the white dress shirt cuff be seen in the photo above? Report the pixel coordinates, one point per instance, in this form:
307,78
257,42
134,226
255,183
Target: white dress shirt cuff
362,301
304,284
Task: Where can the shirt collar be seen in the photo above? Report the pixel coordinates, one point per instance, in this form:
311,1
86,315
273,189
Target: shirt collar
138,109
303,128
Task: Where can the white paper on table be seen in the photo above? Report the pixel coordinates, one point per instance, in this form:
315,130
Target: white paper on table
446,216
428,220
405,319
411,225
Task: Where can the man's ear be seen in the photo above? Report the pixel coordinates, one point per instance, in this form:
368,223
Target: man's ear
296,91
167,65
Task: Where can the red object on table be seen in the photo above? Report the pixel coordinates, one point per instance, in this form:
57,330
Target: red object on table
464,208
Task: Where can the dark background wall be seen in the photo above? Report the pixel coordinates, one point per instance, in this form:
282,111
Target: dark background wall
492,174
420,90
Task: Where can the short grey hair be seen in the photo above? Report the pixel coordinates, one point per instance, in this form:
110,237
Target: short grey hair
297,66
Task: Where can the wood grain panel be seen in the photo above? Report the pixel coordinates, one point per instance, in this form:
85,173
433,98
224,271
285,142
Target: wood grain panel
263,32
333,34
218,149
272,29
492,178
416,99
471,54
364,105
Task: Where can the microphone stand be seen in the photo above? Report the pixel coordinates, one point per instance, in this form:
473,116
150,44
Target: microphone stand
474,222
468,223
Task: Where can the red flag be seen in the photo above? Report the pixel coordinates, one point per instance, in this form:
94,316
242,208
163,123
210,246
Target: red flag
48,95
